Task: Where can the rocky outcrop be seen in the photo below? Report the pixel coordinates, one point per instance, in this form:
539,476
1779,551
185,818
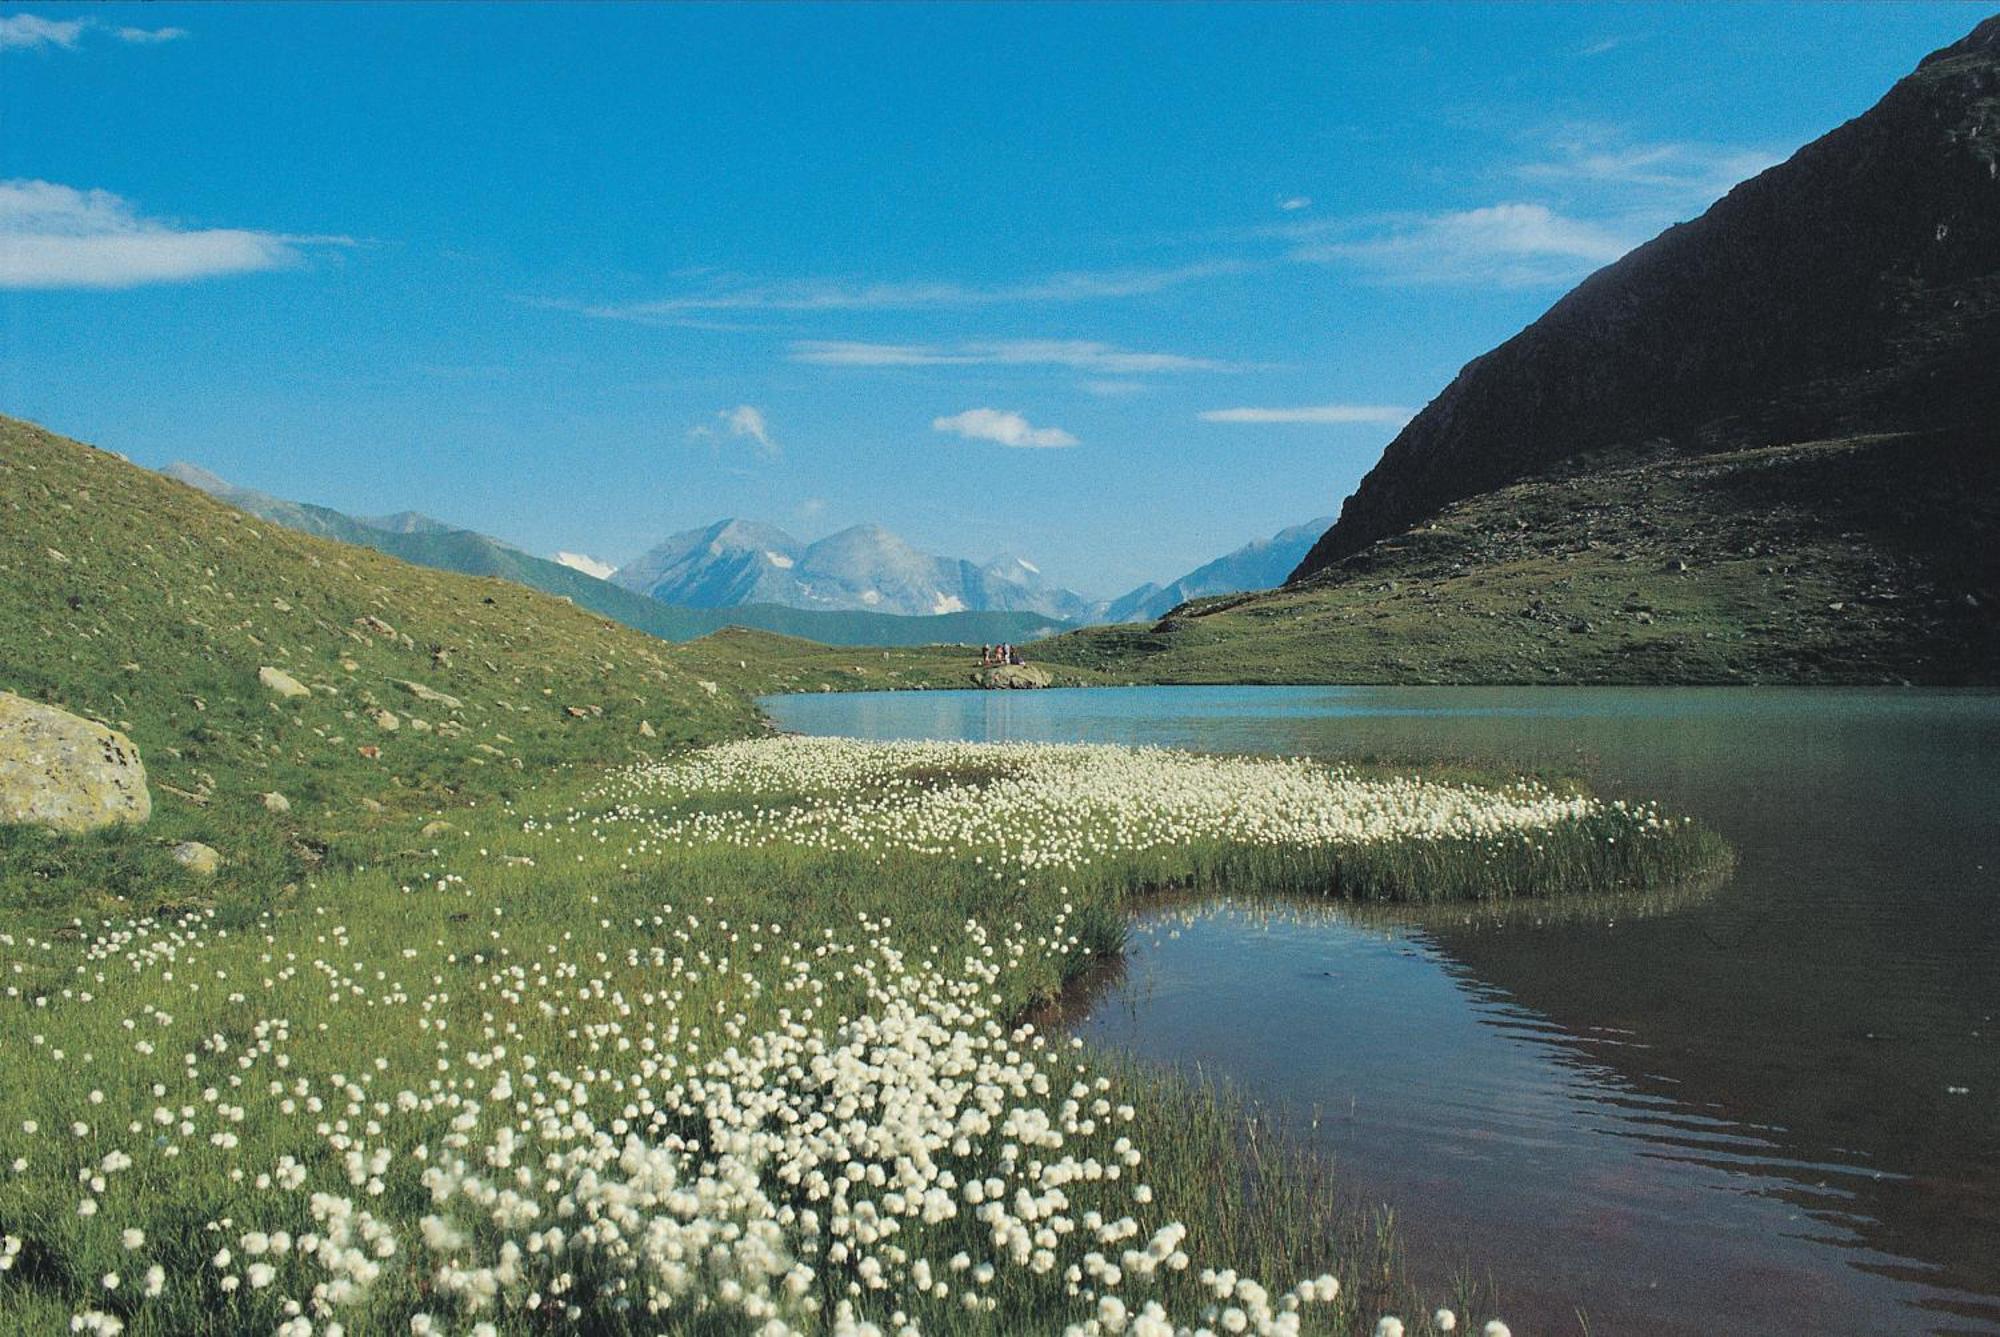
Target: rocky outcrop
199,859
1854,289
63,771
281,683
1012,676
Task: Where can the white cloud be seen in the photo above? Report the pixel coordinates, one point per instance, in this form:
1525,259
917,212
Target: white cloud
54,236
20,32
1077,354
1602,46
149,36
1667,178
734,294
1511,245
748,422
1007,428
1314,413
1293,203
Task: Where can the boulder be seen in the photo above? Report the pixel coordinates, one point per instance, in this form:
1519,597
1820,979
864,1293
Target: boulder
276,802
197,858
431,694
387,722
282,683
63,771
1010,676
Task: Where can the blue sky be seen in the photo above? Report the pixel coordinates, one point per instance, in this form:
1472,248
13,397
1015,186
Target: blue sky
1113,288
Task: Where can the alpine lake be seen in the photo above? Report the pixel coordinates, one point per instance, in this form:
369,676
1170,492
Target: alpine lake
1767,1105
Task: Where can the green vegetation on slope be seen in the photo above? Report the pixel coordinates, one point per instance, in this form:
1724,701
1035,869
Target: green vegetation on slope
148,606
763,664
1857,561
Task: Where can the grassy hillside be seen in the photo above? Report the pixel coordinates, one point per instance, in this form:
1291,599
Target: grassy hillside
1855,561
147,605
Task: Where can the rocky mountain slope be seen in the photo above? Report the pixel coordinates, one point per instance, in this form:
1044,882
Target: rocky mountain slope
1254,566
1863,560
1853,289
864,568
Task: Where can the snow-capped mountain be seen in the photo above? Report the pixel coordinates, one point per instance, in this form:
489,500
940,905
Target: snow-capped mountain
866,567
590,566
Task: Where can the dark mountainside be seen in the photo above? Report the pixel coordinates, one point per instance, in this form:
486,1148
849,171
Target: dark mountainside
1852,290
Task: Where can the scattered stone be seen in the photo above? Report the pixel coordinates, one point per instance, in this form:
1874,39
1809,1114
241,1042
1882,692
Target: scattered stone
646,729
197,858
371,805
438,828
708,686
281,682
375,625
276,802
419,726
488,749
387,722
63,771
370,751
430,694
575,712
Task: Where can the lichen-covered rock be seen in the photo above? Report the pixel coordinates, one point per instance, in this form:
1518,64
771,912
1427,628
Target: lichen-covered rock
276,802
282,683
431,694
199,859
63,771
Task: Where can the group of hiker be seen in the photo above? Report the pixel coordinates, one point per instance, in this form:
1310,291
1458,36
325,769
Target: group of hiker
990,655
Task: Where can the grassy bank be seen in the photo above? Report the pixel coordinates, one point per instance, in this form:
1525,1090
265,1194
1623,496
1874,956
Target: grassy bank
803,1007
1859,561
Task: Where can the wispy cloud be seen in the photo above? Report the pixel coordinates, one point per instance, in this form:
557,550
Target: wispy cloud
55,236
1668,177
1511,245
1005,427
1313,413
1075,354
745,422
28,32
1291,204
1602,46
733,294
1113,389
149,36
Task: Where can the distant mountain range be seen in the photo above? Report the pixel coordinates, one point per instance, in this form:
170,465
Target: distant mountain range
861,586
425,541
1254,566
865,568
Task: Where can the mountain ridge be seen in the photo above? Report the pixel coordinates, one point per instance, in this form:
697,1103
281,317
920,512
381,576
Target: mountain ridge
1853,289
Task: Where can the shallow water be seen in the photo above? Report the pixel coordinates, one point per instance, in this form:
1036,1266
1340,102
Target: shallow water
1774,1107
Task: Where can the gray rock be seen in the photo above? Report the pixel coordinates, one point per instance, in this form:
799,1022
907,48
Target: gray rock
63,771
1013,676
423,693
276,802
281,682
386,721
197,858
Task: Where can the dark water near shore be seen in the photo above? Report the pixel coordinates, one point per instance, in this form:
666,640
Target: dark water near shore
1773,1107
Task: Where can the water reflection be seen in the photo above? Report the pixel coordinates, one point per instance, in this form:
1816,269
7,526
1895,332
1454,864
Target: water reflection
1770,1107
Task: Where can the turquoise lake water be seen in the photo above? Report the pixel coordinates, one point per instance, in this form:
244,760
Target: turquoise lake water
1773,1106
